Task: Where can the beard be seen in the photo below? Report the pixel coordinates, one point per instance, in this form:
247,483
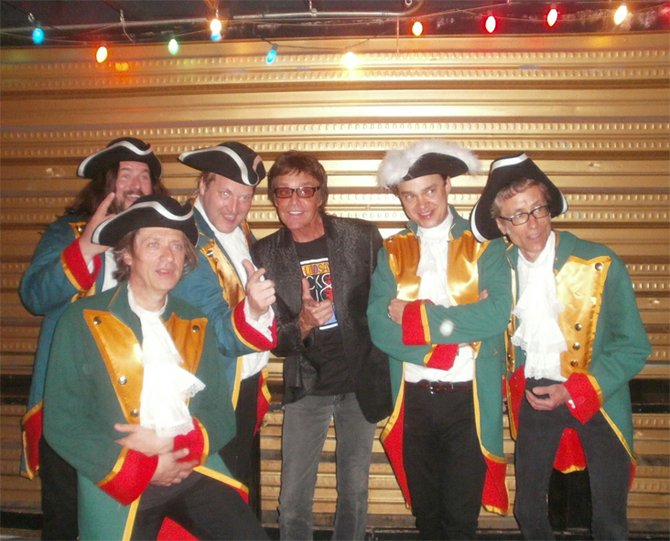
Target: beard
117,206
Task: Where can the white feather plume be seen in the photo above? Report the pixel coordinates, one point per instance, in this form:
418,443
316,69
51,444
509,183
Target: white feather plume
396,163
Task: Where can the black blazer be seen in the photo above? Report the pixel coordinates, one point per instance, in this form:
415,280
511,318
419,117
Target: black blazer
352,249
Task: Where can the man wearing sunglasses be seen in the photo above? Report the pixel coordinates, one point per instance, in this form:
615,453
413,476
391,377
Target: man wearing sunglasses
578,341
321,266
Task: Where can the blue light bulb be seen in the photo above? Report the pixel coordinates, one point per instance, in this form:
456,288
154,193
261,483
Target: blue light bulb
38,35
272,55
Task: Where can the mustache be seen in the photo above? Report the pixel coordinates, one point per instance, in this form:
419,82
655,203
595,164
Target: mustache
117,207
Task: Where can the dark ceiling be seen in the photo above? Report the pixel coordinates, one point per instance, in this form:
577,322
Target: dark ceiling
150,21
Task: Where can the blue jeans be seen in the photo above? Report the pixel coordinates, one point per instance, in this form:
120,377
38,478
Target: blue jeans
304,433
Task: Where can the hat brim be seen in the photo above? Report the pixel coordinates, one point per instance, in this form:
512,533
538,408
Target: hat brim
434,163
425,158
122,151
145,214
483,225
239,163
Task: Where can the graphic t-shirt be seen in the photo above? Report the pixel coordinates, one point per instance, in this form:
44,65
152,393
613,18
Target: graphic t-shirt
317,272
326,353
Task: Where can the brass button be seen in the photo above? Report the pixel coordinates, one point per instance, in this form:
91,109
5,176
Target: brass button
123,380
599,266
578,326
135,412
195,328
576,346
574,363
96,320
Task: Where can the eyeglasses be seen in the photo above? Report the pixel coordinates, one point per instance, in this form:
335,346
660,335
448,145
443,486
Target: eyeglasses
304,192
521,218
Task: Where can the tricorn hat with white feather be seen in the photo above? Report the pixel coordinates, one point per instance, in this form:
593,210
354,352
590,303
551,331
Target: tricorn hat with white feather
425,158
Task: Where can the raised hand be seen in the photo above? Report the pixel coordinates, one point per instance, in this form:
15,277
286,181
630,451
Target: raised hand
313,313
88,249
260,292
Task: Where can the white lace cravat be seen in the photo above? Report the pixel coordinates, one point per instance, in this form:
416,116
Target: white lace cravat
166,385
432,267
538,333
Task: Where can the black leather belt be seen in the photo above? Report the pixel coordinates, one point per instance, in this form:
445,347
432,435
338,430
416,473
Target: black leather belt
440,386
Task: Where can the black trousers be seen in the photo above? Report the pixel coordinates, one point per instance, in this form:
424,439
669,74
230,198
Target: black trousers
608,467
59,495
443,462
242,453
208,510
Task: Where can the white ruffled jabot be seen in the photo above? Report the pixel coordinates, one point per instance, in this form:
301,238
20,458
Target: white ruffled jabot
166,386
538,333
432,267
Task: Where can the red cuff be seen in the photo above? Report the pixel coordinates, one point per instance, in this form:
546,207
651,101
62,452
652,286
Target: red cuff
196,443
250,336
415,331
76,268
134,473
442,356
585,397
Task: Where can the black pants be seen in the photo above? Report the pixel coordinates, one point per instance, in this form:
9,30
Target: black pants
59,495
208,510
608,466
443,461
242,453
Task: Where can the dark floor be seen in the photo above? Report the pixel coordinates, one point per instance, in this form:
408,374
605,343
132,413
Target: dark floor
20,526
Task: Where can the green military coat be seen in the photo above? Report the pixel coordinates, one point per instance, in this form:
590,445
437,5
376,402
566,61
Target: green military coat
607,342
472,268
95,380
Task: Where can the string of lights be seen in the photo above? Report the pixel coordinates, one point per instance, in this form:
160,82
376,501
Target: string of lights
491,19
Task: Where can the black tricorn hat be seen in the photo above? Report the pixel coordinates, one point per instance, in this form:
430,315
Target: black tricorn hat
124,149
425,158
230,159
147,211
503,172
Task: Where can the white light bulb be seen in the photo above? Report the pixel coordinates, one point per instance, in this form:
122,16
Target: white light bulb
101,54
350,60
215,26
620,14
